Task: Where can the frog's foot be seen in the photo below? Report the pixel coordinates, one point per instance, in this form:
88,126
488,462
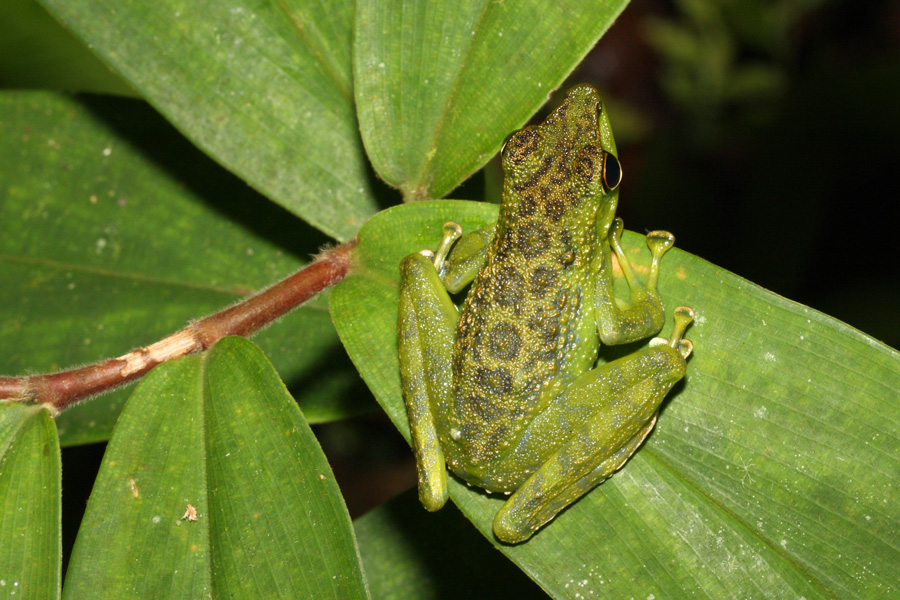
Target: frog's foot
642,315
683,317
659,243
451,232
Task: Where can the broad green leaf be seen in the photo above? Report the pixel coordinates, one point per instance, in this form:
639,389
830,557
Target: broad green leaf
30,536
117,232
774,469
262,87
440,84
37,52
217,434
410,554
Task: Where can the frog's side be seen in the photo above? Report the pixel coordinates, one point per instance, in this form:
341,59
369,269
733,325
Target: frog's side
504,391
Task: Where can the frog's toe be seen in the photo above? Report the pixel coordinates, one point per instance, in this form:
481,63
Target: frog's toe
659,242
507,531
451,232
684,315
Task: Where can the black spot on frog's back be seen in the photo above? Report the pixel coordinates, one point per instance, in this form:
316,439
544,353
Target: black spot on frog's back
528,205
532,239
589,162
494,381
541,280
521,145
554,209
508,287
504,341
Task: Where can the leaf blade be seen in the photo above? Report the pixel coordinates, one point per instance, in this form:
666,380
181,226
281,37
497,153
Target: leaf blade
227,454
739,433
439,86
123,234
242,83
30,507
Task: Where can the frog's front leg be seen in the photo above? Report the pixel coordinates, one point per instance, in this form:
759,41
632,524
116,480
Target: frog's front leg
426,328
466,258
623,398
642,315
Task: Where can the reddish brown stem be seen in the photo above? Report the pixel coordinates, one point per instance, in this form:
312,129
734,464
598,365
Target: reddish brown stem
67,387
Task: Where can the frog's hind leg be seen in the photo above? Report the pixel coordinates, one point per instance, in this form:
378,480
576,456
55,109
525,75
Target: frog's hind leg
642,315
623,397
426,324
517,521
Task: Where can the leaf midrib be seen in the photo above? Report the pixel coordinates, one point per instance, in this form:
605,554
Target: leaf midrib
432,147
327,66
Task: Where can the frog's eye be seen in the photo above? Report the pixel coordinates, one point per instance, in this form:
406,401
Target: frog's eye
612,171
520,145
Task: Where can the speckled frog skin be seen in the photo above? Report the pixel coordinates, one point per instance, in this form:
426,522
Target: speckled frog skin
504,391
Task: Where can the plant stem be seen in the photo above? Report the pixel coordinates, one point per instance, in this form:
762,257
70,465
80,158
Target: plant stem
65,388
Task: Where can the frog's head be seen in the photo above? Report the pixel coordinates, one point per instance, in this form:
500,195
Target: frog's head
567,159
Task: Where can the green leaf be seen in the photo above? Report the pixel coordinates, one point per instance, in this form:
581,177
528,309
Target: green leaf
409,555
37,52
774,469
262,87
30,536
439,84
218,433
118,232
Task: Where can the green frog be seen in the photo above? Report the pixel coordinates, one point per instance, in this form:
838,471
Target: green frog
504,391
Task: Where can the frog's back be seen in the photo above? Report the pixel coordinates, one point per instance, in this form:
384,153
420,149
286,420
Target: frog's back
527,328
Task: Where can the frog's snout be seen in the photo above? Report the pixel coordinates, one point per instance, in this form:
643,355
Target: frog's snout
612,171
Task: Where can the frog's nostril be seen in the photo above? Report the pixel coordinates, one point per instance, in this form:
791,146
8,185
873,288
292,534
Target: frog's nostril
612,171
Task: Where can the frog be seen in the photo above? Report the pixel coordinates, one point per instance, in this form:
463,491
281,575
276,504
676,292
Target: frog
505,390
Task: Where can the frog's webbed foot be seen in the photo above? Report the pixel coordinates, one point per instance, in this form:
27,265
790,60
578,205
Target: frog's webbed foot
458,257
659,243
642,314
683,317
468,255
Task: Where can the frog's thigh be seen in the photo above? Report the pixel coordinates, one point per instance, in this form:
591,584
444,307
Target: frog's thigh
621,399
546,492
426,323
